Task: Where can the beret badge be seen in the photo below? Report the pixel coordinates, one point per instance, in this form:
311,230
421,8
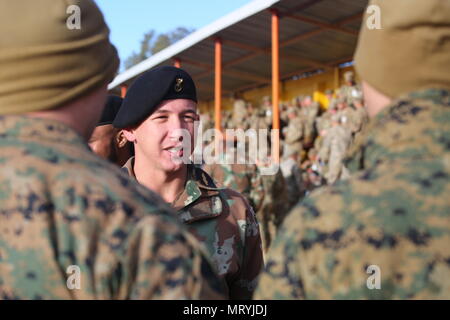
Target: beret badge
178,84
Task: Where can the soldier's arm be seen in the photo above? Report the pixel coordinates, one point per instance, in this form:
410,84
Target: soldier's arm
294,133
245,281
281,278
163,261
324,151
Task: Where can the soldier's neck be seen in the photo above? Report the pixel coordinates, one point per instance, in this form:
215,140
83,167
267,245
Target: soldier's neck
168,185
375,100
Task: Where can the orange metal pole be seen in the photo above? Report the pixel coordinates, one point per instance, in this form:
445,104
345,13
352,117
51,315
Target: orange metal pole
177,63
275,85
218,84
123,90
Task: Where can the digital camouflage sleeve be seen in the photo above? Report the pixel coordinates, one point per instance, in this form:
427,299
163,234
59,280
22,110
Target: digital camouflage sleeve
64,210
385,233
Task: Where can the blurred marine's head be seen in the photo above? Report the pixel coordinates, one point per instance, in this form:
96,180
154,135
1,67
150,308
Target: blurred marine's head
49,59
410,50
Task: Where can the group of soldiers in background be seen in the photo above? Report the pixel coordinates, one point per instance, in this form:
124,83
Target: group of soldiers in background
313,143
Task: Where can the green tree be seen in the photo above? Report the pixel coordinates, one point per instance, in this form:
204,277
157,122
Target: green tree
152,44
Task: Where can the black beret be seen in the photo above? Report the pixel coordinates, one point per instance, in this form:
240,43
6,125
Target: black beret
149,90
110,110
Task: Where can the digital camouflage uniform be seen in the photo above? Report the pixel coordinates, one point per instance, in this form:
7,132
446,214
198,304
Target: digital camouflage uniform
294,135
240,115
294,181
61,206
224,222
350,92
394,213
334,146
274,207
346,117
360,119
243,178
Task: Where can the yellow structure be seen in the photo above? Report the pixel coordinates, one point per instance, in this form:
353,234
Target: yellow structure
315,86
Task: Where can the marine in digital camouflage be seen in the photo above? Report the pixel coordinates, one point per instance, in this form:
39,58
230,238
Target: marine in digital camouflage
62,206
394,213
225,223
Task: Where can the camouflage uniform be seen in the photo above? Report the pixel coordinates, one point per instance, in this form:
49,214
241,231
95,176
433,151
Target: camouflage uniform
394,213
350,92
294,182
294,135
243,178
347,117
274,207
335,144
310,115
223,221
61,206
324,121
239,117
360,119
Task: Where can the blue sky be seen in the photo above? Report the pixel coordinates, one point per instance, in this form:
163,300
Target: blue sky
129,20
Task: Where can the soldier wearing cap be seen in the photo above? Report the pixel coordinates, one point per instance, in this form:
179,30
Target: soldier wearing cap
158,116
107,141
73,225
384,233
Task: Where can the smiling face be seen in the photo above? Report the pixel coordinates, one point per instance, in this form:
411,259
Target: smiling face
161,138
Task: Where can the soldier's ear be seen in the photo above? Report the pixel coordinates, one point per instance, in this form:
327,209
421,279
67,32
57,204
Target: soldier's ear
121,139
129,134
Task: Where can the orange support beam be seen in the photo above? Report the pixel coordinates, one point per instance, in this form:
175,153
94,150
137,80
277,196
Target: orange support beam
275,85
218,84
177,63
123,90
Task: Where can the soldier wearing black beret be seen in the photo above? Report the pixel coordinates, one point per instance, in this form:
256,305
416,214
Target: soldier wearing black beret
159,116
109,142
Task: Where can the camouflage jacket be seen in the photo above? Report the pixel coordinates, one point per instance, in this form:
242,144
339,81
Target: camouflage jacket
294,131
387,227
224,222
243,178
350,93
360,119
73,226
335,143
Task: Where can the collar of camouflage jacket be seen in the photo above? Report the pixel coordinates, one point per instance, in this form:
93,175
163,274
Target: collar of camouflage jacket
40,130
416,126
201,198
